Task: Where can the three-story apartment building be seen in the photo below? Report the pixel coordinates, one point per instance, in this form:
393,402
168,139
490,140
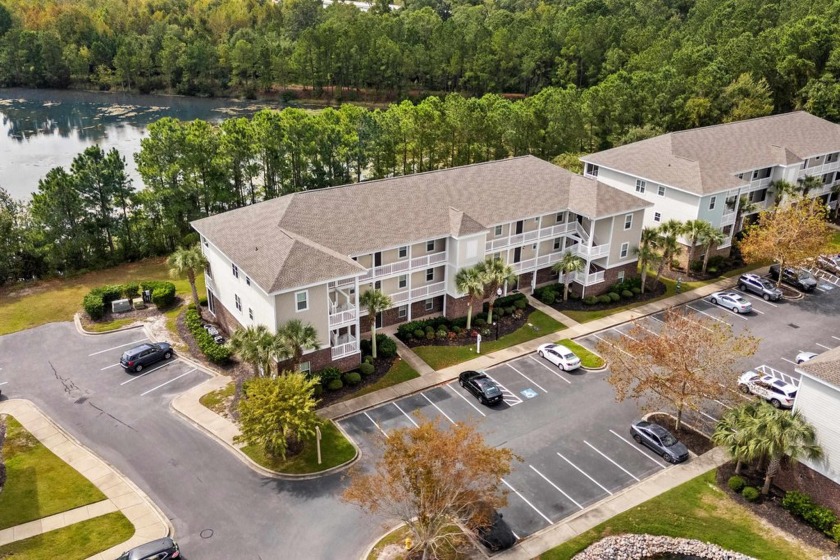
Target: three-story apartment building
310,255
710,173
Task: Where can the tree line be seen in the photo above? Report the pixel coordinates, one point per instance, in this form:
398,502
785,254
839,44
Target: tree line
671,64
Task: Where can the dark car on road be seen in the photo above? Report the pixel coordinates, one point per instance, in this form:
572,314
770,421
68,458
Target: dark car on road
659,440
145,355
482,387
161,549
759,286
495,533
796,277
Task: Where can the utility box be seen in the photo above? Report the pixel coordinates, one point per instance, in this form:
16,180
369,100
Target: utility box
120,305
147,296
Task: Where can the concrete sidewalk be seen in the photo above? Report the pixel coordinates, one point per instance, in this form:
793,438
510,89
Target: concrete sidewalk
121,494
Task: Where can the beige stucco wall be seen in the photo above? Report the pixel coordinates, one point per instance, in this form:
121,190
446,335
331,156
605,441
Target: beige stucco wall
620,235
316,315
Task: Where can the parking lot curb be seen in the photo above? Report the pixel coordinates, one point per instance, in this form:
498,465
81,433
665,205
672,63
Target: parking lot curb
77,320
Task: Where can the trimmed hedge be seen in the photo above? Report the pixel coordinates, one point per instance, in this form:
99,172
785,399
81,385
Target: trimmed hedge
352,378
216,353
96,302
737,483
335,385
517,300
751,493
163,293
366,368
819,517
385,346
328,375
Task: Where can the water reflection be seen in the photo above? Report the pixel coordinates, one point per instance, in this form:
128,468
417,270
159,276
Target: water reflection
42,129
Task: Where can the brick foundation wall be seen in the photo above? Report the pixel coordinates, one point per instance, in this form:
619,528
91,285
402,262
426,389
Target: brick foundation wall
804,479
389,317
418,308
457,307
525,281
546,276
225,318
319,359
610,278
698,254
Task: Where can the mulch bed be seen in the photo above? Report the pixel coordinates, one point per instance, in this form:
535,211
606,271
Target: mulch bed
135,314
651,292
381,367
233,367
506,325
696,442
770,508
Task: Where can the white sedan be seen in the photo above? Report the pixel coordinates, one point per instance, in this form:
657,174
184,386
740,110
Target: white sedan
560,356
803,357
732,301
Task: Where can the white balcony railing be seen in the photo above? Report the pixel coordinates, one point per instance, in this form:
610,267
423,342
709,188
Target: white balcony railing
524,266
428,291
760,183
210,284
728,219
819,169
592,278
591,252
400,297
346,348
403,266
542,233
341,314
428,260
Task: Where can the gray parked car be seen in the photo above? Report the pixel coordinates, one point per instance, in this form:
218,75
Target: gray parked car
145,355
161,549
796,277
830,263
759,286
659,440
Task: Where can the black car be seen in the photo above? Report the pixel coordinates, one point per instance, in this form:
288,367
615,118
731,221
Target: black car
659,440
497,534
796,277
145,355
482,387
161,549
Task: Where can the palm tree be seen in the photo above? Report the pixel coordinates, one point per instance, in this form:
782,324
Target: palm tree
568,266
693,230
711,237
292,339
807,183
735,430
254,345
375,301
188,262
781,433
468,281
744,207
645,251
835,191
780,189
494,273
668,242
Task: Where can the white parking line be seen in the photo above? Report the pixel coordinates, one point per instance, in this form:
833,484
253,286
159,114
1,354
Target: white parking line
789,361
762,300
526,377
834,337
709,416
685,318
613,345
167,383
410,419
375,424
438,408
510,398
625,334
723,404
148,372
3,383
656,319
822,346
454,390
648,330
109,367
708,315
115,347
551,370
636,447
586,475
524,499
610,460
556,487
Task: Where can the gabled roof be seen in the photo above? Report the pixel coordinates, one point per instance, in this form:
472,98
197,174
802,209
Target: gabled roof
825,367
307,237
708,159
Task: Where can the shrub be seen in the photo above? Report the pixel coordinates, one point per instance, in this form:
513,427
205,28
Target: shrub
797,503
111,293
163,293
352,378
366,368
802,505
479,322
590,300
835,533
216,353
737,483
614,296
94,305
317,390
716,262
604,299
696,266
328,374
636,291
751,493
385,346
131,290
548,297
626,294
498,313
442,334
457,330
419,334
821,518
510,309
429,329
675,263
521,303
430,335
335,385
368,359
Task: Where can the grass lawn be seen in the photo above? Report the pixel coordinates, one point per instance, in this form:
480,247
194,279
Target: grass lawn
539,324
217,400
39,484
400,371
699,510
111,326
587,359
335,450
74,542
834,246
30,305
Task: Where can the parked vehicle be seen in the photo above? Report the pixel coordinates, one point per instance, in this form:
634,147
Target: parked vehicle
145,355
780,394
497,534
805,356
759,286
830,263
660,440
796,277
732,301
482,387
161,549
560,356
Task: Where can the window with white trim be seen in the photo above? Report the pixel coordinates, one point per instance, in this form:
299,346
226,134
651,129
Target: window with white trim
430,246
592,169
430,304
402,281
560,217
234,269
712,202
640,186
558,243
237,301
250,313
498,231
657,217
625,247
402,253
620,276
402,312
248,280
305,368
661,190
430,274
628,221
302,300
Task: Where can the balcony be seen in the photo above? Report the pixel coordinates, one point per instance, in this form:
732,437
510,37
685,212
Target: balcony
403,266
428,291
542,233
344,346
428,260
728,219
340,314
819,169
595,252
210,284
524,266
583,278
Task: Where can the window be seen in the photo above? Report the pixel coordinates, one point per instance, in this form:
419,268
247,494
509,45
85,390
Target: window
730,203
831,158
305,367
238,302
430,305
250,313
234,269
620,276
758,196
827,178
430,274
592,169
624,248
302,300
727,230
403,252
712,202
430,246
628,221
402,311
761,173
247,280
661,191
560,217
558,243
402,282
498,231
657,217
640,186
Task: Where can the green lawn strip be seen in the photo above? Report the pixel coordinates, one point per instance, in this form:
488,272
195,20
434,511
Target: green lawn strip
110,326
697,509
335,450
74,542
215,400
834,244
53,300
439,357
39,483
400,371
587,359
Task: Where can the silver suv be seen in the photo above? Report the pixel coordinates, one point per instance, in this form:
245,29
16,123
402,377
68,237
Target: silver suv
759,286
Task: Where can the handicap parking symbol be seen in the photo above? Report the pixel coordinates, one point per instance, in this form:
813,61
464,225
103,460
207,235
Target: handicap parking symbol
528,393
